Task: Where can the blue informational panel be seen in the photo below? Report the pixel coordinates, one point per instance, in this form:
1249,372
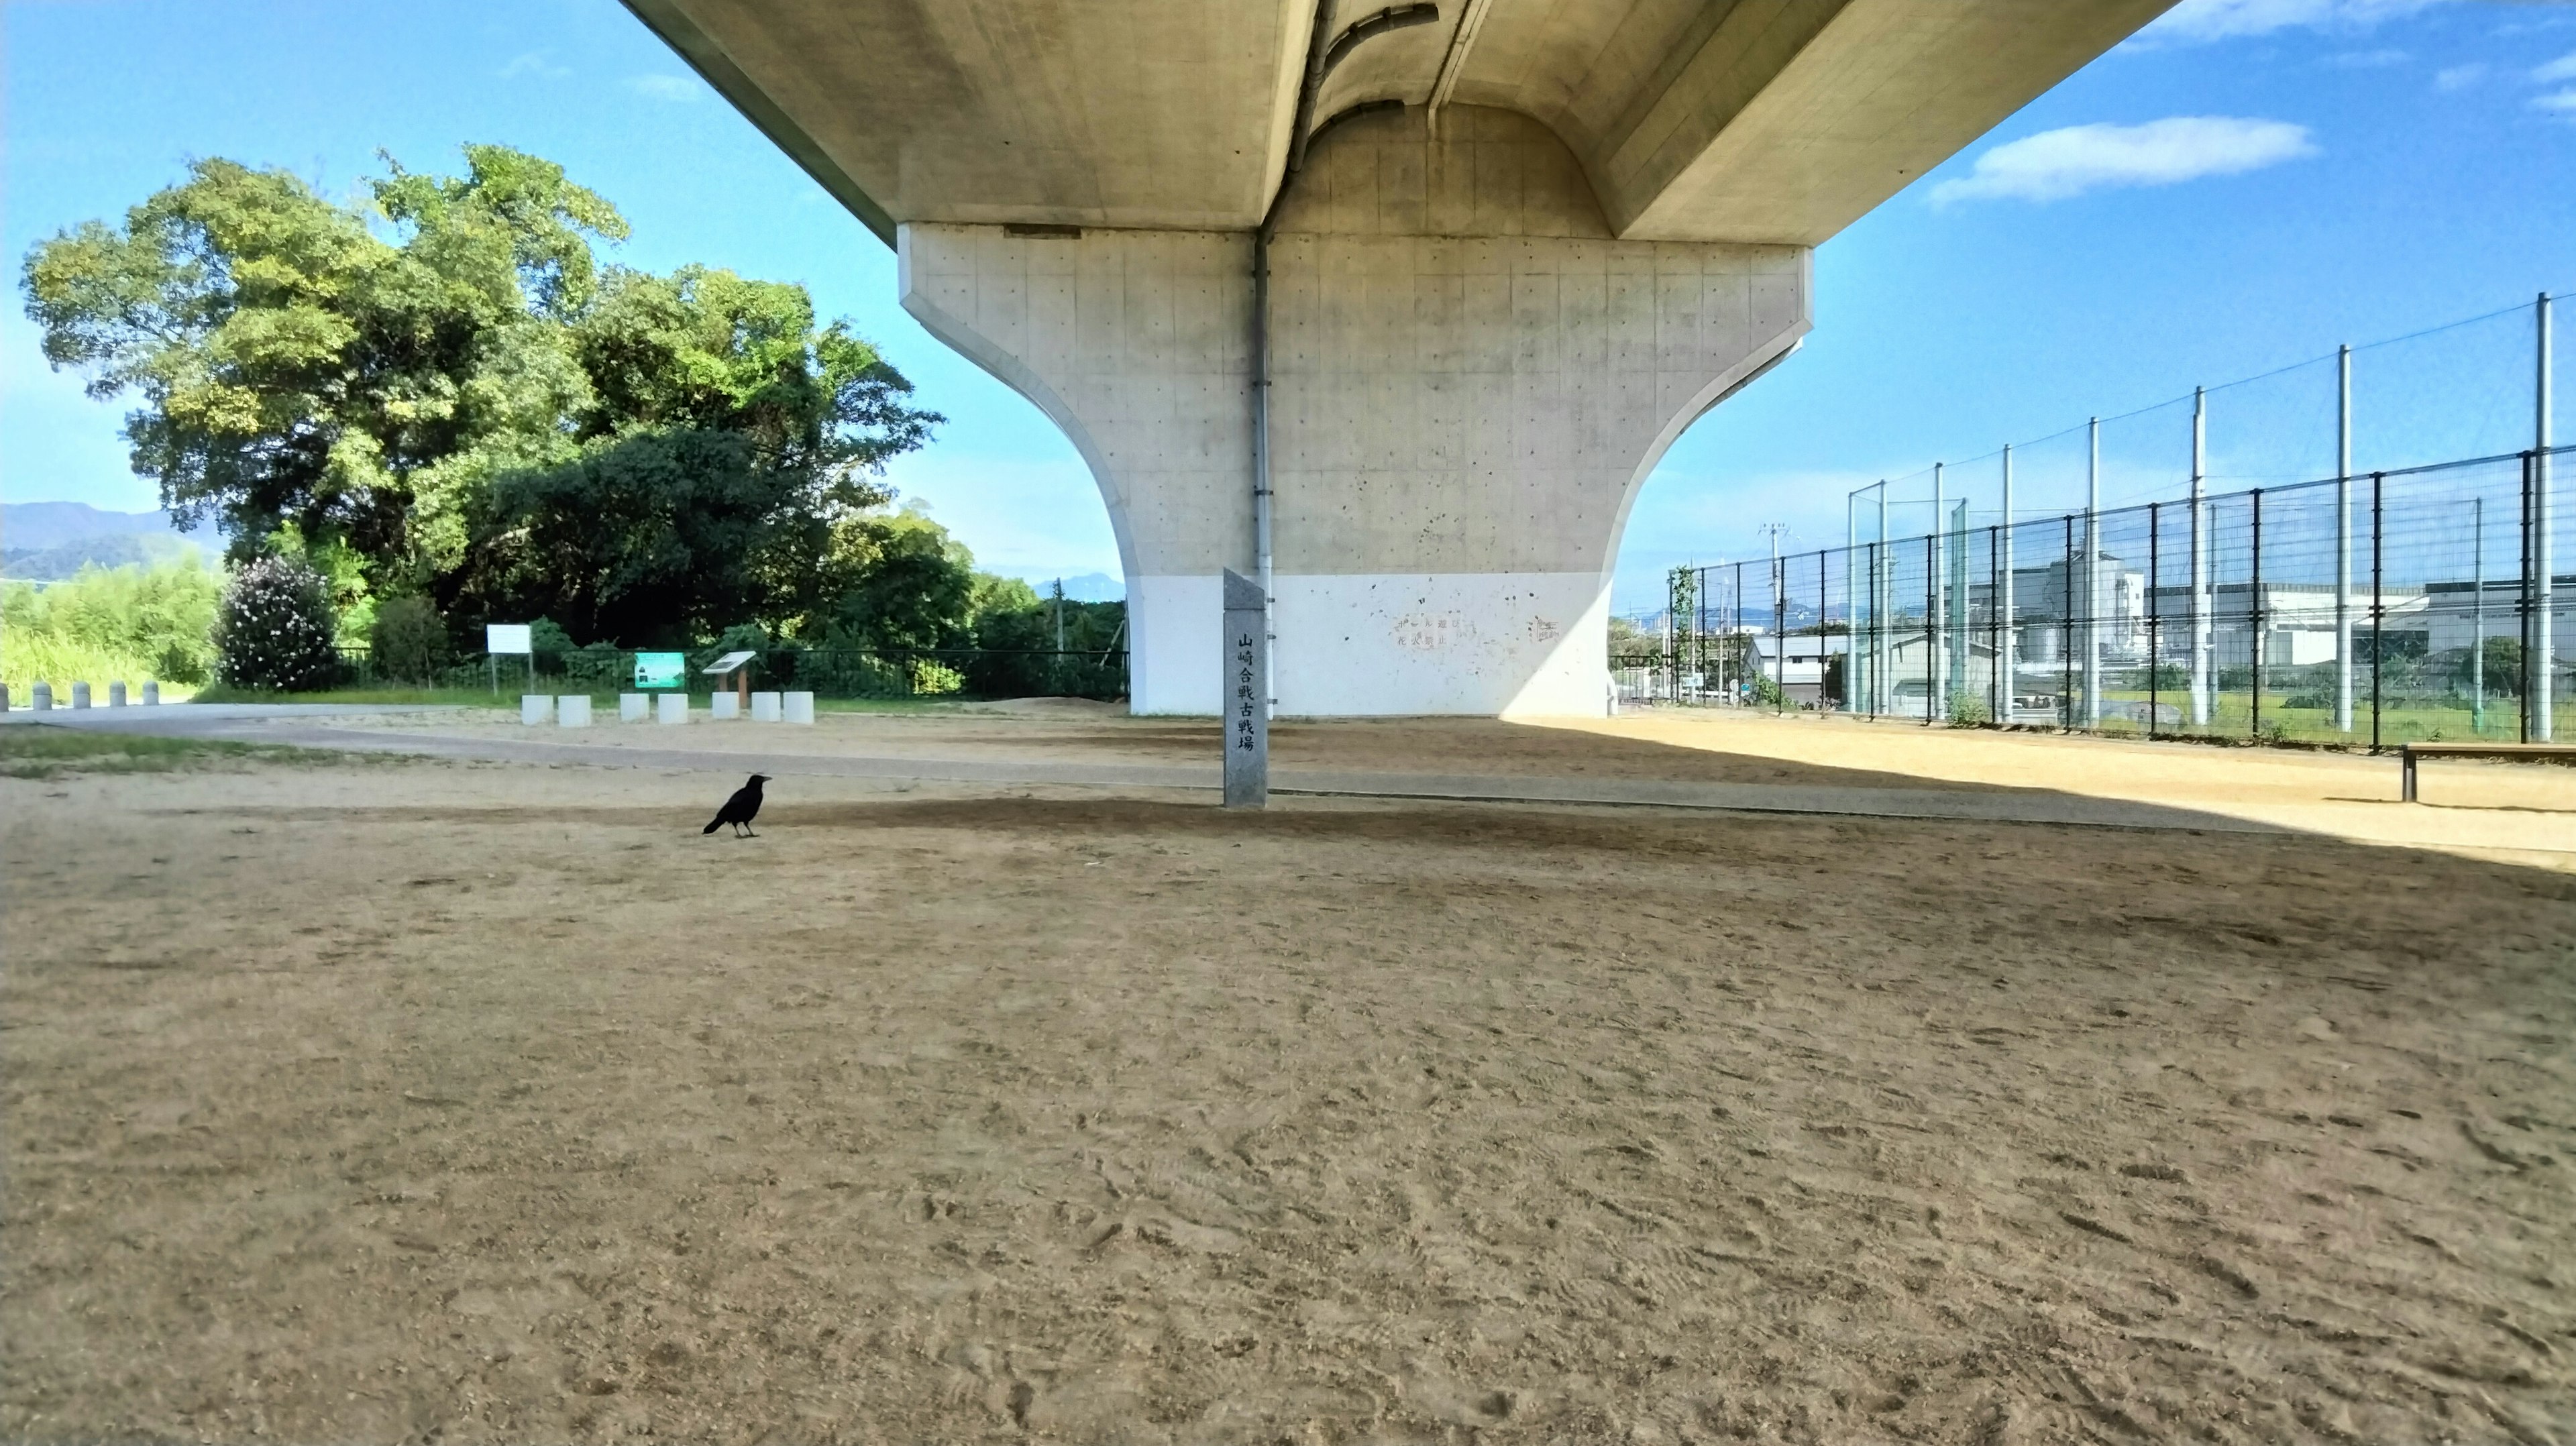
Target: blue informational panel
661,670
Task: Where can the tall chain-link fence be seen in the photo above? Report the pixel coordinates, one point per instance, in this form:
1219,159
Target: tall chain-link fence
2425,603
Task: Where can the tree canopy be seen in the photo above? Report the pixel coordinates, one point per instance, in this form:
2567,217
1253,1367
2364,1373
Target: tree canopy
443,380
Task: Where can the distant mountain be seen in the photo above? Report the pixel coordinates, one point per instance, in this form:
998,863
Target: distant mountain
34,526
53,564
46,541
1085,587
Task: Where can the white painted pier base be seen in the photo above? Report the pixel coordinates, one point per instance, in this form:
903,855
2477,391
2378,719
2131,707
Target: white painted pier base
1471,379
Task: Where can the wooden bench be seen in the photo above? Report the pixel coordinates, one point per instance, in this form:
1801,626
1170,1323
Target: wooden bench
2527,752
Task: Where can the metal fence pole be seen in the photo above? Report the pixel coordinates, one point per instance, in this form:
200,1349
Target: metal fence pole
2092,584
2006,661
1996,702
1824,653
2200,700
2066,714
2378,597
2254,611
1931,620
2527,594
2155,615
2343,539
2544,644
2478,615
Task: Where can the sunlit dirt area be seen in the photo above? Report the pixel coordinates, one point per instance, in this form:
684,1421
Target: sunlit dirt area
402,1100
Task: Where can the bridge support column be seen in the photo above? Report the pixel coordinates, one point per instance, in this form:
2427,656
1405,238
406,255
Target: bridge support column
1472,379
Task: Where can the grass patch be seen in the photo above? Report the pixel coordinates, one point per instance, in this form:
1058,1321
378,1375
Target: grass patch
35,750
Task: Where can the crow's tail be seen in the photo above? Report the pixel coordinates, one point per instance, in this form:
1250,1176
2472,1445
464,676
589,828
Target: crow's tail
711,828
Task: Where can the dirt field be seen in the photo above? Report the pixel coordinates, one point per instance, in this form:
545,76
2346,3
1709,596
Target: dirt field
476,1102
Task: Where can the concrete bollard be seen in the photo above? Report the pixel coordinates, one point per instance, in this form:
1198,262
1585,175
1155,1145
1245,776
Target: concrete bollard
672,707
151,693
41,698
80,695
634,707
116,695
536,708
572,710
800,708
723,706
764,707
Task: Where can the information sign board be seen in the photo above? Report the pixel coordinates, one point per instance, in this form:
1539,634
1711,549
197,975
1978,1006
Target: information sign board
661,670
507,638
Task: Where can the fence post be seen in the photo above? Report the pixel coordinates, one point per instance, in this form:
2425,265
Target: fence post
2542,653
1824,652
2006,661
2378,598
1996,702
2200,700
2478,615
2254,611
2343,539
2527,595
2155,614
2066,713
2092,584
1779,630
1931,619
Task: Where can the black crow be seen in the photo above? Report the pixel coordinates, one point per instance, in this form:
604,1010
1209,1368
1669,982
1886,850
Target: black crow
740,809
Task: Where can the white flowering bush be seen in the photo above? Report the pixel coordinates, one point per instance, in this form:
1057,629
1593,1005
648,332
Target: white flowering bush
274,629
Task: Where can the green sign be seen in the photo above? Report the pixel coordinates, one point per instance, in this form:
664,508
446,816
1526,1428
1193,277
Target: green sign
660,670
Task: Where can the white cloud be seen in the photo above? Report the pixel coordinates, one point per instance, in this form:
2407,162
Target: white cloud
664,87
2054,165
2206,20
2561,100
2459,77
2563,68
2368,59
534,63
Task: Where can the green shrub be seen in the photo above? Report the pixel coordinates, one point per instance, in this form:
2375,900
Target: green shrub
408,642
131,623
274,629
1967,712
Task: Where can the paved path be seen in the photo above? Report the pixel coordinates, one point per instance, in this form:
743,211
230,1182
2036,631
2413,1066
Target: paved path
1983,805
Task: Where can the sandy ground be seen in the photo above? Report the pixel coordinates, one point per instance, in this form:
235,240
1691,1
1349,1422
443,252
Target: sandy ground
2519,812
415,1101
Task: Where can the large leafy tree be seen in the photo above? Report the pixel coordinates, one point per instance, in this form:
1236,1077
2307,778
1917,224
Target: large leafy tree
342,370
727,468
444,382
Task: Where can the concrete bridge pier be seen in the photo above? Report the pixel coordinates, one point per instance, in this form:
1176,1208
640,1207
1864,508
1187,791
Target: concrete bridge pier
1472,377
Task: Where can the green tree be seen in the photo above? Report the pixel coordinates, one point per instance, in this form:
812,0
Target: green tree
443,383
897,580
2499,670
343,370
726,470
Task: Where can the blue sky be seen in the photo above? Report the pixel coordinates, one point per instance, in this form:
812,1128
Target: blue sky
2247,184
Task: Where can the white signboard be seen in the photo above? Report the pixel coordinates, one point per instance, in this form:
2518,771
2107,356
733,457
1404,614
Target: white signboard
507,638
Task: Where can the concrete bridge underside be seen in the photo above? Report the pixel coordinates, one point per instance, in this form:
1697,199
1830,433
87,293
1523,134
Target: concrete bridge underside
1513,248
